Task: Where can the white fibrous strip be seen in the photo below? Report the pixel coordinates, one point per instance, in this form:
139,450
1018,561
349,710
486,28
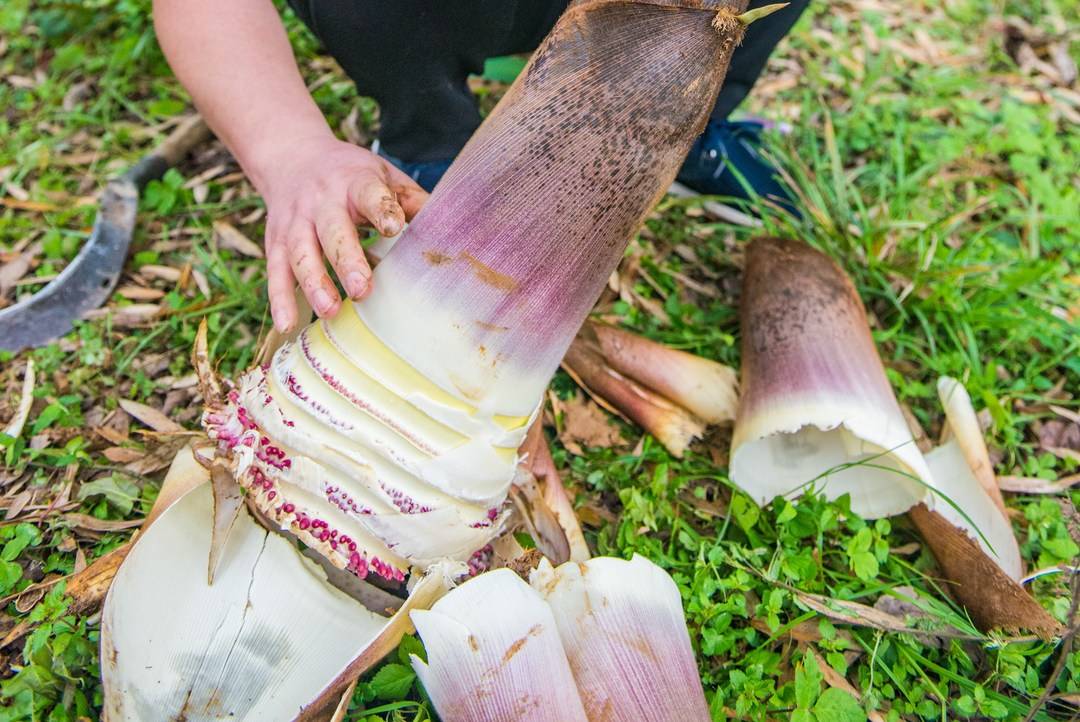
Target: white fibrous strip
363,458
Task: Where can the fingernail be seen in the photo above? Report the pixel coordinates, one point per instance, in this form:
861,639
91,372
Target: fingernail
390,226
282,321
357,283
321,300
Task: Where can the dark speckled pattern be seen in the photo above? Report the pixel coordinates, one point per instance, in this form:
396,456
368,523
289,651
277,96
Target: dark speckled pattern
544,198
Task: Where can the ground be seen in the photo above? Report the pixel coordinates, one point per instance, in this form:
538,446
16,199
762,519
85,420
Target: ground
934,147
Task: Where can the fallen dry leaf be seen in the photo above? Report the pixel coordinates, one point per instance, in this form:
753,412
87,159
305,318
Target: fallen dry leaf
140,293
860,615
838,681
1032,485
12,271
122,454
165,273
150,416
91,523
159,457
126,316
586,423
1058,434
26,400
18,503
227,236
86,589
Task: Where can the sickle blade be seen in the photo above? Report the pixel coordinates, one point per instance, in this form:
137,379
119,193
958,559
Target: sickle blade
85,284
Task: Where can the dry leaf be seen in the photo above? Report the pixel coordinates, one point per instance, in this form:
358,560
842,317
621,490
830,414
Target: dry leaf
1032,485
854,613
1057,434
122,455
837,680
15,426
150,416
18,503
227,236
165,273
12,271
91,523
158,458
140,293
585,423
126,316
86,588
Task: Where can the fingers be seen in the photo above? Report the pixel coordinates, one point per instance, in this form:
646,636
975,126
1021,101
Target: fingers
280,283
410,196
339,240
306,262
373,201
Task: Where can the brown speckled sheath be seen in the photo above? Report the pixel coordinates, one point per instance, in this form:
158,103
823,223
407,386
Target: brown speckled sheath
804,330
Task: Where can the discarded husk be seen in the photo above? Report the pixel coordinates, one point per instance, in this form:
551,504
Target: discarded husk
960,415
992,598
26,400
703,387
267,638
85,589
494,655
540,521
624,631
188,470
542,466
228,498
959,498
488,285
966,527
672,425
815,403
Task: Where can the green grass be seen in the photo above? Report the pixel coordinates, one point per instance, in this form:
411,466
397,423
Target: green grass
931,169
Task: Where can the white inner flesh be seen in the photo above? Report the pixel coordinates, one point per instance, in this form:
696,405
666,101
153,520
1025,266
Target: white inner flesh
982,520
782,463
424,473
265,639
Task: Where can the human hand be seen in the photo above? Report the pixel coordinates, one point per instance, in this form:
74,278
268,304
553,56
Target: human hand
316,195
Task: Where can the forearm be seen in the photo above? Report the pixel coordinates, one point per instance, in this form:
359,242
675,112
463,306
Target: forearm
235,60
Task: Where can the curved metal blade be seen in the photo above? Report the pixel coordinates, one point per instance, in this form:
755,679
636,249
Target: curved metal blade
85,284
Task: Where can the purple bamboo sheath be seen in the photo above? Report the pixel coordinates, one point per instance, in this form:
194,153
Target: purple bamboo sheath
489,284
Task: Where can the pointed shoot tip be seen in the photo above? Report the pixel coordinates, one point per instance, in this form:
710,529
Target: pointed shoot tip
756,14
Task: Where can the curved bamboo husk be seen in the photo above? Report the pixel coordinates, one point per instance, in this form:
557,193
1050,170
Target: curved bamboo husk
624,632
967,528
554,495
605,639
672,425
494,654
703,387
991,596
815,402
260,643
965,429
960,499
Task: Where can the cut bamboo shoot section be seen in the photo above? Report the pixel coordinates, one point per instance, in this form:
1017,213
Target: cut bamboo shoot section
816,405
259,644
494,654
624,632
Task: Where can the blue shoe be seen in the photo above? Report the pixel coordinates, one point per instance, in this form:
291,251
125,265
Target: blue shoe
725,161
426,173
